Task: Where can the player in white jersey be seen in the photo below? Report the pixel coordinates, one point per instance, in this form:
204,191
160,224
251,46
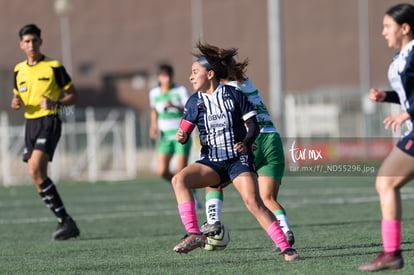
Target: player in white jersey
167,102
398,167
269,158
228,127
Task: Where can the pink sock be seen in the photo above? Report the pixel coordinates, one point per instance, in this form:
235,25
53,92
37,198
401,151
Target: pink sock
188,216
276,234
391,235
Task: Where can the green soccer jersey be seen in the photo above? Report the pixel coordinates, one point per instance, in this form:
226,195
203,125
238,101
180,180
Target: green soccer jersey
263,117
168,117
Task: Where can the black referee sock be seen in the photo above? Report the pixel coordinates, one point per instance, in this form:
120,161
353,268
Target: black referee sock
51,198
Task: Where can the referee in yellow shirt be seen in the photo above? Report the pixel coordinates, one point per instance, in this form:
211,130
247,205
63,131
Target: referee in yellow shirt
38,86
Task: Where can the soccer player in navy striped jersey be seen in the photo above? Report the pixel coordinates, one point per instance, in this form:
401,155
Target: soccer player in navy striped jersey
221,114
39,83
398,167
268,153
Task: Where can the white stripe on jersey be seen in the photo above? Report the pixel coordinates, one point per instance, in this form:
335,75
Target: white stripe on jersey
218,123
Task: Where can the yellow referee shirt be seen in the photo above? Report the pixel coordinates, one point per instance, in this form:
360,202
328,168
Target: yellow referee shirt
47,78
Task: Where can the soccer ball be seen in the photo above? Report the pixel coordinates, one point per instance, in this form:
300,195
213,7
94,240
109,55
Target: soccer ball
219,241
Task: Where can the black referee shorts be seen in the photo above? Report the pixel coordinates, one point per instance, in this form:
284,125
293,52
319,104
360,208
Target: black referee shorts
42,134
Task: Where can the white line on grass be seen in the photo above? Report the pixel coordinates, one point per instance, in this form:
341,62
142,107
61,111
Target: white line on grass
158,213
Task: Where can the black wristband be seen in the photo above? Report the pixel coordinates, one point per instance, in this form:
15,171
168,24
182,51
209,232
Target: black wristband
252,131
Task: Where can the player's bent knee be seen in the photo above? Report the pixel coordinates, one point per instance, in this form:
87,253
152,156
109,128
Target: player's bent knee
35,172
174,180
383,185
178,181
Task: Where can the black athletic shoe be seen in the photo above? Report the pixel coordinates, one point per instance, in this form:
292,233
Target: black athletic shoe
211,229
66,229
290,237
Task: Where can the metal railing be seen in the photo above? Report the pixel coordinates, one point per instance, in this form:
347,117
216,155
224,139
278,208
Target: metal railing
96,144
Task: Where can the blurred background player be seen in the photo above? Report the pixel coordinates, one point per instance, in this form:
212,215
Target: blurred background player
167,102
228,127
38,85
268,153
398,167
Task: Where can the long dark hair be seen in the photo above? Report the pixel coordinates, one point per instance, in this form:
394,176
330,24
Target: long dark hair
237,70
222,61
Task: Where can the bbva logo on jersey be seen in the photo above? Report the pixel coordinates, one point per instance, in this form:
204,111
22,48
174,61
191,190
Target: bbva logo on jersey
216,117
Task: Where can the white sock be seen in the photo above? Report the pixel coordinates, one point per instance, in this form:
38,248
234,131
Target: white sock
214,204
283,222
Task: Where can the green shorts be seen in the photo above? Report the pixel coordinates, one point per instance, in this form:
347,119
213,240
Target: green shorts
269,155
173,147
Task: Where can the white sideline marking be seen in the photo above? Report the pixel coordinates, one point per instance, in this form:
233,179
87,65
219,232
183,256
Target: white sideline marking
90,217
144,213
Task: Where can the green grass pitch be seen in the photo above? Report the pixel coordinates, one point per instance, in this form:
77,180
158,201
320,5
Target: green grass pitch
131,227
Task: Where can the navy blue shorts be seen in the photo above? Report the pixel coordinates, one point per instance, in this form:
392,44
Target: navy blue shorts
406,143
42,134
231,168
